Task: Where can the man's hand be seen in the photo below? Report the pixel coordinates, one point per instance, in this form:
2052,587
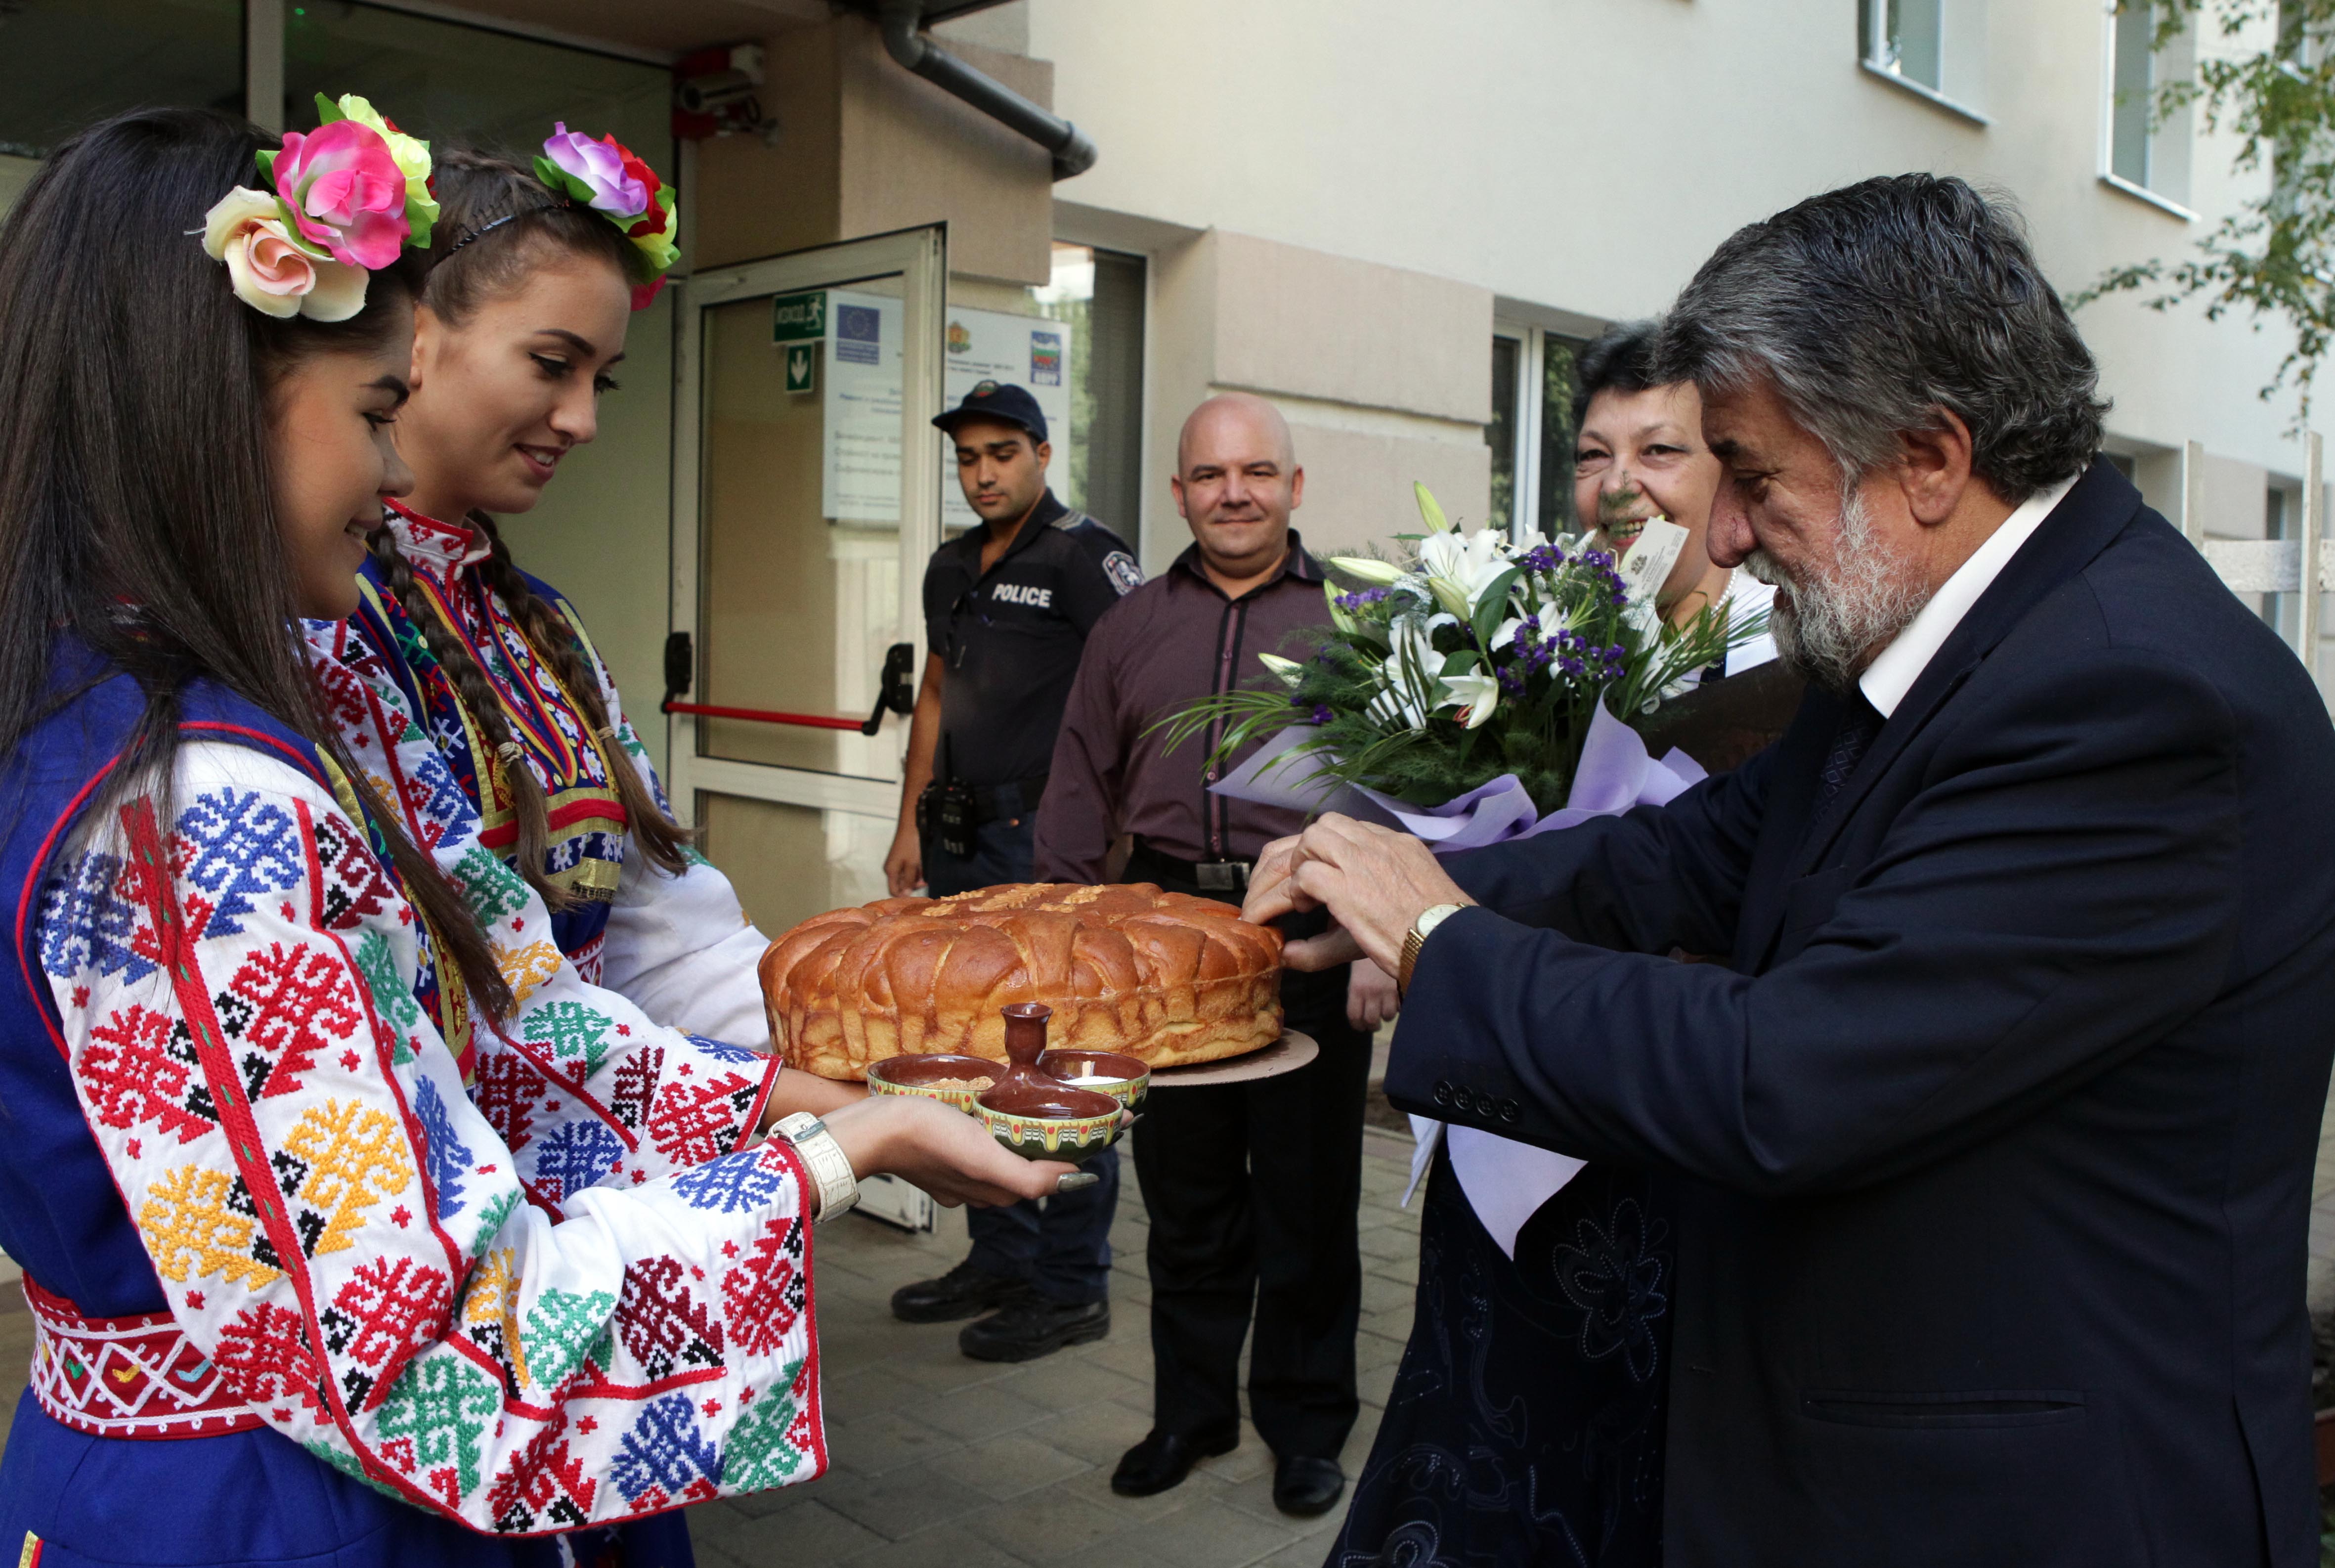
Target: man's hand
903,869
1374,882
1371,998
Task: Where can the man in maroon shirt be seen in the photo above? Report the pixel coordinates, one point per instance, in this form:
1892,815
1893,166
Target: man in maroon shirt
1253,1188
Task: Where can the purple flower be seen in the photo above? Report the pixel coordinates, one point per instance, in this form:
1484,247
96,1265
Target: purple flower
599,168
1322,714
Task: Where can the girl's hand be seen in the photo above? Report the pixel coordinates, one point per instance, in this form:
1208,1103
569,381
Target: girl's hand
939,1148
799,1090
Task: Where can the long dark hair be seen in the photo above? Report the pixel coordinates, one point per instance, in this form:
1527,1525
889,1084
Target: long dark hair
137,502
497,225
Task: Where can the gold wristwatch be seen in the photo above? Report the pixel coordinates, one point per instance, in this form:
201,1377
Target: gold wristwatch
1433,915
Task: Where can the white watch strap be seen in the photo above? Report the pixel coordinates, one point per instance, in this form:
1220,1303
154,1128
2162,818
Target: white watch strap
839,1189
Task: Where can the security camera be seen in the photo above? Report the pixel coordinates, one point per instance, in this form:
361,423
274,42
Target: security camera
718,93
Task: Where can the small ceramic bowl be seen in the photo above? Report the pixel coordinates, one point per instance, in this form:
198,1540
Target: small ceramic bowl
937,1076
1038,1122
1123,1077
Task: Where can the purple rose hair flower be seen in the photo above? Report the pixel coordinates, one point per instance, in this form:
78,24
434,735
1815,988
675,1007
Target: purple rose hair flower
600,168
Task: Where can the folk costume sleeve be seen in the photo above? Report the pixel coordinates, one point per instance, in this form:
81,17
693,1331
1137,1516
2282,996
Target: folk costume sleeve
680,946
585,1087
347,1238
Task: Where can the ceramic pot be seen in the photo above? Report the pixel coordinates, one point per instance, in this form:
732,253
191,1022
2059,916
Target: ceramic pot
915,1074
1039,1122
1125,1078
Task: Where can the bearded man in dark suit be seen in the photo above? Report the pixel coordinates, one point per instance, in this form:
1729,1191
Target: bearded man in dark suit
1992,1138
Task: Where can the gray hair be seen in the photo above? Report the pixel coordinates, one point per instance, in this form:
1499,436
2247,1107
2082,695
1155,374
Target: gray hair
1872,307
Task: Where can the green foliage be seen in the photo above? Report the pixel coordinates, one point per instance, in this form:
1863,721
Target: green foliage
2274,257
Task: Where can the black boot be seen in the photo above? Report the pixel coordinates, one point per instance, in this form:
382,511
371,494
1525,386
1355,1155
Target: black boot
965,1292
1030,1326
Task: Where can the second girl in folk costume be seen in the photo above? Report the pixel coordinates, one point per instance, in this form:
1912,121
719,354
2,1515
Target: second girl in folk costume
462,658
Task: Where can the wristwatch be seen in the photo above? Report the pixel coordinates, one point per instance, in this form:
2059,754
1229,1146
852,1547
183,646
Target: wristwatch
839,1188
1433,915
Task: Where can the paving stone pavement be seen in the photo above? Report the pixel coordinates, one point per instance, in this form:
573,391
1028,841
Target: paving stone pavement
935,1459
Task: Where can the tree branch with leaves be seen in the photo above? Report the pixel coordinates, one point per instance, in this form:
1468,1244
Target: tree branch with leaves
2274,257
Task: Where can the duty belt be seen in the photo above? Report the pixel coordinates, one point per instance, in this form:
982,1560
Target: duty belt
135,1377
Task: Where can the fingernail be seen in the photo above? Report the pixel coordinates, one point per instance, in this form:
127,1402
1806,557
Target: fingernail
1076,1181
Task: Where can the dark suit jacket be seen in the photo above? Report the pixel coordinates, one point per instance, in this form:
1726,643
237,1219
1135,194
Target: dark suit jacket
1994,1144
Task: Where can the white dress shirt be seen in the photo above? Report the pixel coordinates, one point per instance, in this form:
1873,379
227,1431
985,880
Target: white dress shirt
1892,675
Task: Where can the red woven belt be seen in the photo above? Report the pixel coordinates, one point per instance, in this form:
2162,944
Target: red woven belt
137,1377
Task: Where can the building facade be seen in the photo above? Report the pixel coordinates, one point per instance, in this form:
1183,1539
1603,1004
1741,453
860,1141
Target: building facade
1396,223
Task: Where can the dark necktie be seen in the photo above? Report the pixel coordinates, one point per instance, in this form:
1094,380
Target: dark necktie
1860,721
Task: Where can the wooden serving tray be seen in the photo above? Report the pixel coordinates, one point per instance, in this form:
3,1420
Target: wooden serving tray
1287,1054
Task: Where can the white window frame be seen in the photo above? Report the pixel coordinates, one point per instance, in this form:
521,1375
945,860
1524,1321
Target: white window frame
1962,57
2177,132
1525,416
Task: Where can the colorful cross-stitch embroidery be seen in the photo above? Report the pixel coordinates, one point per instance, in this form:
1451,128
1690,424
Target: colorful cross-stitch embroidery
356,1253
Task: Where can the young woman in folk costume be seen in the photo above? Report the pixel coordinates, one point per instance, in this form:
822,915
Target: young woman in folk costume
459,659
292,1301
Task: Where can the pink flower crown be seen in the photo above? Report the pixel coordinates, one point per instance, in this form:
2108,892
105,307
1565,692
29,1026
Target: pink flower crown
348,196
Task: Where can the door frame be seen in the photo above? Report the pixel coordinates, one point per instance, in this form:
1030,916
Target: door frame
919,257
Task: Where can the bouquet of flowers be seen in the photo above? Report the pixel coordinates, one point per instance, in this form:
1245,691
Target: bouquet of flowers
1478,657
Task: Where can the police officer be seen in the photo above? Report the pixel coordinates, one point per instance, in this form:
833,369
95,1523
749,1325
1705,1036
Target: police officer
1007,609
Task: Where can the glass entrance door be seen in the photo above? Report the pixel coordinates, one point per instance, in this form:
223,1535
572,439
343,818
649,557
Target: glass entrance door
807,500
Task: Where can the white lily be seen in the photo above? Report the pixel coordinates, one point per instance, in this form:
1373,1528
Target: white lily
1429,511
1461,568
1507,632
1478,694
1289,671
1370,569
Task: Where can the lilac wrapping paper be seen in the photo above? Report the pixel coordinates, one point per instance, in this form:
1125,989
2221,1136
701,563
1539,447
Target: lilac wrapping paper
1505,1181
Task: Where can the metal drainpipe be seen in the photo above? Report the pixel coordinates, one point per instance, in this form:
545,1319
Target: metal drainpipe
1074,153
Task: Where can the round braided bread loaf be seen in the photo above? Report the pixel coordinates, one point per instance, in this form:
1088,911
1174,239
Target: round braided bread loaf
1163,976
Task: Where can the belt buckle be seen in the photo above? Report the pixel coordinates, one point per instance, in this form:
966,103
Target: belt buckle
1222,875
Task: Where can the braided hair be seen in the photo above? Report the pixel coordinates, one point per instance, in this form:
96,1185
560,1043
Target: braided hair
497,226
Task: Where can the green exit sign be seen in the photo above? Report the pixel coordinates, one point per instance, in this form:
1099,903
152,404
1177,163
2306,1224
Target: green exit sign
802,367
799,317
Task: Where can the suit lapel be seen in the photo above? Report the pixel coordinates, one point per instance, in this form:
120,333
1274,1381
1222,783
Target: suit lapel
2079,528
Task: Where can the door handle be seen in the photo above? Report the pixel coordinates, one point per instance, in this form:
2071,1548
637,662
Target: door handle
896,692
679,667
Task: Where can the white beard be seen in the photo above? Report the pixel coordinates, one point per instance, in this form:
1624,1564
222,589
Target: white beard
1826,628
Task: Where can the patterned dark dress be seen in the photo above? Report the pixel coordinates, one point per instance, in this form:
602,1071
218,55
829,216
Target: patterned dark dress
1525,1422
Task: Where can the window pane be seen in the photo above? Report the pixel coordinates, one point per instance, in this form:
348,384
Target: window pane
1500,434
1911,40
1556,435
68,63
1097,464
444,80
2135,27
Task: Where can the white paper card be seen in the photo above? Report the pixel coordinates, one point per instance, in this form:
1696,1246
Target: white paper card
1648,561
1505,1181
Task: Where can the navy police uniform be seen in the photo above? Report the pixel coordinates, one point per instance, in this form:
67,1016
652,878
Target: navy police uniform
1008,640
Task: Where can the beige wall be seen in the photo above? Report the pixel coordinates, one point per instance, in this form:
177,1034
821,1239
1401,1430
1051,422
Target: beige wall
1586,155
866,147
1383,373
